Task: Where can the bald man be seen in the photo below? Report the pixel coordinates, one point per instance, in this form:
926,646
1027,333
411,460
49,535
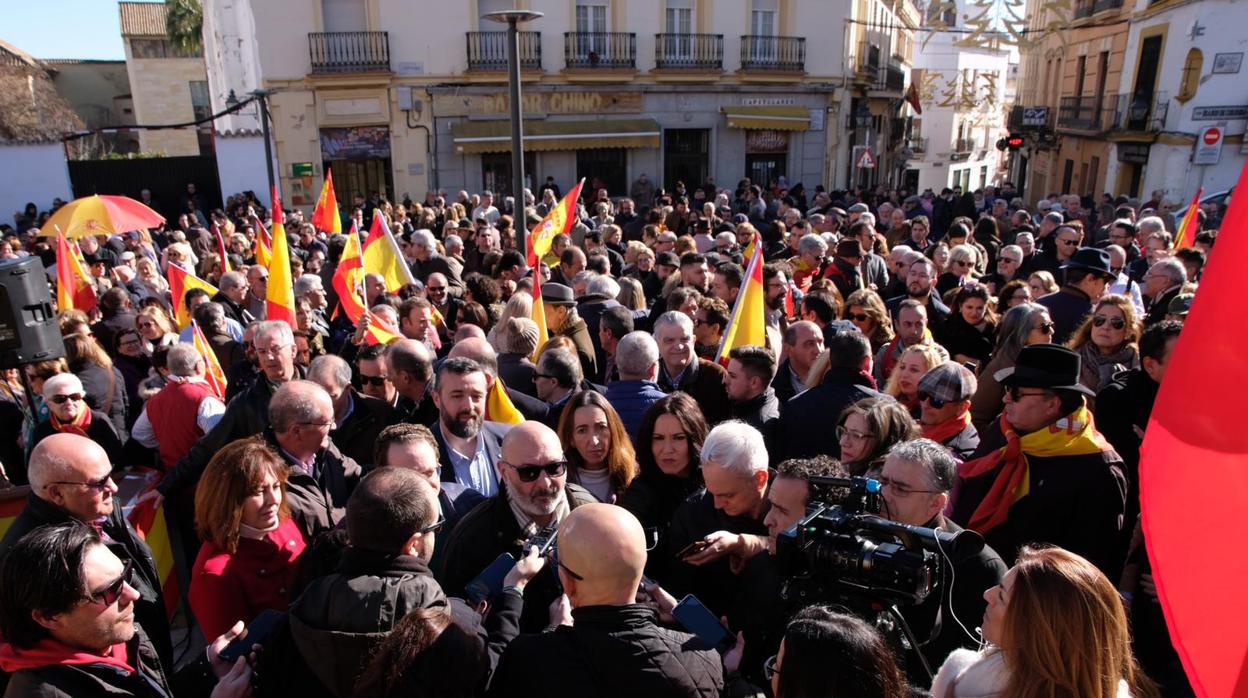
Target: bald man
613,641
480,350
533,493
70,479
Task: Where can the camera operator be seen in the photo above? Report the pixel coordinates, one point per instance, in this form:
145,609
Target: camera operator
915,484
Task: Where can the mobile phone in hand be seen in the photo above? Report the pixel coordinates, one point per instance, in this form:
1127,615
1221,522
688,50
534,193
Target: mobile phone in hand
490,581
693,548
698,619
259,631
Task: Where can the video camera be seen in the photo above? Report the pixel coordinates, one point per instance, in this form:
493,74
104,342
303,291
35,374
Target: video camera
842,550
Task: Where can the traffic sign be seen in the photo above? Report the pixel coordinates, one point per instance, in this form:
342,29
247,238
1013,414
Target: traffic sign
1208,146
866,161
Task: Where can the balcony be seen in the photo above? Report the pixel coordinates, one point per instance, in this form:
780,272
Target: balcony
869,60
349,52
964,145
600,50
917,146
777,54
1144,113
1086,112
487,51
1087,8
689,52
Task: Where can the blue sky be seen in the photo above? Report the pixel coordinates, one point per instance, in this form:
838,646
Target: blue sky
63,28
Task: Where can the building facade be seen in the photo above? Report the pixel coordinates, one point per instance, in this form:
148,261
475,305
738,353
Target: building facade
166,87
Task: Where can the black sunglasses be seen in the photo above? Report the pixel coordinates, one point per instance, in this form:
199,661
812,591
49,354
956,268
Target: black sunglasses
1117,323
109,594
860,317
530,473
1016,393
435,526
1045,327
935,401
377,381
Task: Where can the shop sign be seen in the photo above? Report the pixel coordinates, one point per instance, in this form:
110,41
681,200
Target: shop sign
1135,153
543,103
766,141
355,143
301,169
1219,113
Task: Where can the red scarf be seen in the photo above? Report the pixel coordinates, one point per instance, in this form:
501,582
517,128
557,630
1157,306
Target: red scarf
79,425
949,428
49,652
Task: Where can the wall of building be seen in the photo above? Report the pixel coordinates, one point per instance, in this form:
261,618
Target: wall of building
35,173
240,165
232,61
91,88
162,95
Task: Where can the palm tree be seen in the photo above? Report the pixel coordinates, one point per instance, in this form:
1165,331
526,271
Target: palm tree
184,23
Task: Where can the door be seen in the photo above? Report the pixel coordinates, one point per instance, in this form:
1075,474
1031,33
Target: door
678,26
496,174
764,26
1145,80
1068,175
685,156
1102,75
591,29
764,168
603,168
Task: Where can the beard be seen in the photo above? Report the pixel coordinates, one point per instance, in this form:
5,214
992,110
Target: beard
917,290
540,502
464,425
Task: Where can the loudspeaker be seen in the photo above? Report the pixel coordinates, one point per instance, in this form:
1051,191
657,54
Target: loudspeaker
28,326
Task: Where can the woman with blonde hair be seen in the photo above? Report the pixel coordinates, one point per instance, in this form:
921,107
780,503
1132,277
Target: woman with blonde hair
156,328
867,311
1041,283
1107,341
1055,626
151,278
960,270
917,359
631,295
519,305
599,452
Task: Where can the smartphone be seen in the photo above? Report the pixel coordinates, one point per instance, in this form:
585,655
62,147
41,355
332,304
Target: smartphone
693,548
259,631
490,581
699,620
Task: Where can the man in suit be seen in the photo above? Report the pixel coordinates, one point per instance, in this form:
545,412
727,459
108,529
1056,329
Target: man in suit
468,446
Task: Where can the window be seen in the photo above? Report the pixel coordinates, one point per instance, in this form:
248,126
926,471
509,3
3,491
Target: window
679,25
763,17
344,15
591,26
1191,75
200,103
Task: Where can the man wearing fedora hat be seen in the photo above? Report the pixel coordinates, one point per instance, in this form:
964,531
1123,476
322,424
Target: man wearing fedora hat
1042,472
1088,274
559,304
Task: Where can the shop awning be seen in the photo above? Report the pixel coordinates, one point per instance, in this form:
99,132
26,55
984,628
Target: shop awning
495,136
768,118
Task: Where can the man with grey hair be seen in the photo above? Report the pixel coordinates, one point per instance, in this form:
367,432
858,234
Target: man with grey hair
1162,283
681,369
637,358
231,294
453,245
358,419
714,532
424,259
915,482
557,379
319,477
183,411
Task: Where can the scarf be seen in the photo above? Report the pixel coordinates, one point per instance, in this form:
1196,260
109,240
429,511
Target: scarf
1072,435
524,519
79,425
50,652
940,433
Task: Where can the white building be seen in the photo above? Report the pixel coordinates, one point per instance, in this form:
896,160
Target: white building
1184,73
962,90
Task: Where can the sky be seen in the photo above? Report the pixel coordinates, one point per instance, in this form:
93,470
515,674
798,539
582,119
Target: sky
87,29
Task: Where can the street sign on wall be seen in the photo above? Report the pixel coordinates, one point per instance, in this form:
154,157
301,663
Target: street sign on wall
1208,146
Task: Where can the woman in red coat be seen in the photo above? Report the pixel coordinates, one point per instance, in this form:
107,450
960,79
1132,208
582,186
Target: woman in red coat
250,546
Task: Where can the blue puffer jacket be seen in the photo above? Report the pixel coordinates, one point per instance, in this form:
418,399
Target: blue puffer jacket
631,399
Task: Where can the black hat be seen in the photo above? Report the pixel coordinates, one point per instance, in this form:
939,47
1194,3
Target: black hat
464,224
1091,259
557,294
1048,366
667,259
849,247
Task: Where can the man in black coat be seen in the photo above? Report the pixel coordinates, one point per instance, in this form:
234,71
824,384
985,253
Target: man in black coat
70,481
612,641
803,430
751,369
1087,275
358,419
1163,281
921,286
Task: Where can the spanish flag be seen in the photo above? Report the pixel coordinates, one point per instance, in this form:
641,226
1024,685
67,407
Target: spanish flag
326,217
748,324
181,281
558,220
348,280
263,249
280,301
498,406
539,315
382,255
225,258
213,373
73,284
1186,234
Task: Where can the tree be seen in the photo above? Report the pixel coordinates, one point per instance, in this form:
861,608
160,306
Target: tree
184,23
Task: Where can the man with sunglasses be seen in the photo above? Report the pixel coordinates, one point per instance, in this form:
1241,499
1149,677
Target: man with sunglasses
533,494
1043,473
1087,275
945,393
374,374
68,615
70,480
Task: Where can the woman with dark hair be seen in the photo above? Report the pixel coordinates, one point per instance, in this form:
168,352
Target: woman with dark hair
596,444
1014,292
825,654
669,443
970,331
427,655
1022,325
867,429
105,386
473,313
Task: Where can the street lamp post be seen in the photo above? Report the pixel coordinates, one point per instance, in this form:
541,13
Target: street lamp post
513,18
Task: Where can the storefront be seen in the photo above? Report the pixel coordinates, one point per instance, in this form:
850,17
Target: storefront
359,157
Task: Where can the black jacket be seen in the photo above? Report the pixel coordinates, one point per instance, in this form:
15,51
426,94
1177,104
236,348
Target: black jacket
937,311
653,498
1122,407
960,337
609,651
1068,306
105,391
782,384
240,314
761,412
806,427
703,381
1159,307
578,331
516,372
318,501
713,583
356,438
86,680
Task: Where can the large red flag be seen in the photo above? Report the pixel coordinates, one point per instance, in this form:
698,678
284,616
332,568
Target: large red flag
1194,476
73,285
280,300
558,220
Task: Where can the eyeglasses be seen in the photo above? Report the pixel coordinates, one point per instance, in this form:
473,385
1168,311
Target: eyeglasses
326,425
859,317
900,489
1070,242
530,473
62,399
843,431
1016,393
769,668
961,263
100,484
435,526
1045,327
376,381
1010,260
109,594
1117,323
543,375
932,399
272,351
555,556
431,289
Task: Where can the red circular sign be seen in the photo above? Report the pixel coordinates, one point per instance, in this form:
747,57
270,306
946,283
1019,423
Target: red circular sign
1213,135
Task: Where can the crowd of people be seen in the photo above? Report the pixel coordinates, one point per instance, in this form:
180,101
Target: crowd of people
478,509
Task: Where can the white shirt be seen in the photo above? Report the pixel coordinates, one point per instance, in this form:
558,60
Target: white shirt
206,417
491,214
1120,286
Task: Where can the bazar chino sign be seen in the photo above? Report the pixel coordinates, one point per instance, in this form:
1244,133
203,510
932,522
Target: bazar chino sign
549,103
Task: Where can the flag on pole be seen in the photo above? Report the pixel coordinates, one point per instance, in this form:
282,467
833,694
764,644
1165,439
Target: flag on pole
181,281
326,217
225,259
263,249
73,284
912,97
280,299
213,374
348,281
539,317
558,220
1186,234
498,405
383,256
748,324
1193,455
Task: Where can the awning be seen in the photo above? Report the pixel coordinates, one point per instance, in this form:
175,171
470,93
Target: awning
768,118
495,136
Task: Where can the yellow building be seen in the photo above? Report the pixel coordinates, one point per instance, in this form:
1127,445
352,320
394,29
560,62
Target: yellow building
166,87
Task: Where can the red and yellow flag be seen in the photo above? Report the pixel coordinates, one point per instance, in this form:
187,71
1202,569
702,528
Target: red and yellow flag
213,374
1186,235
181,281
539,315
263,249
348,282
326,217
280,300
225,259
73,284
498,406
383,256
748,324
558,220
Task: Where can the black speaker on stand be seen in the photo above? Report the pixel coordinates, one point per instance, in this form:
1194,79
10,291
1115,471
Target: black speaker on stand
29,331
